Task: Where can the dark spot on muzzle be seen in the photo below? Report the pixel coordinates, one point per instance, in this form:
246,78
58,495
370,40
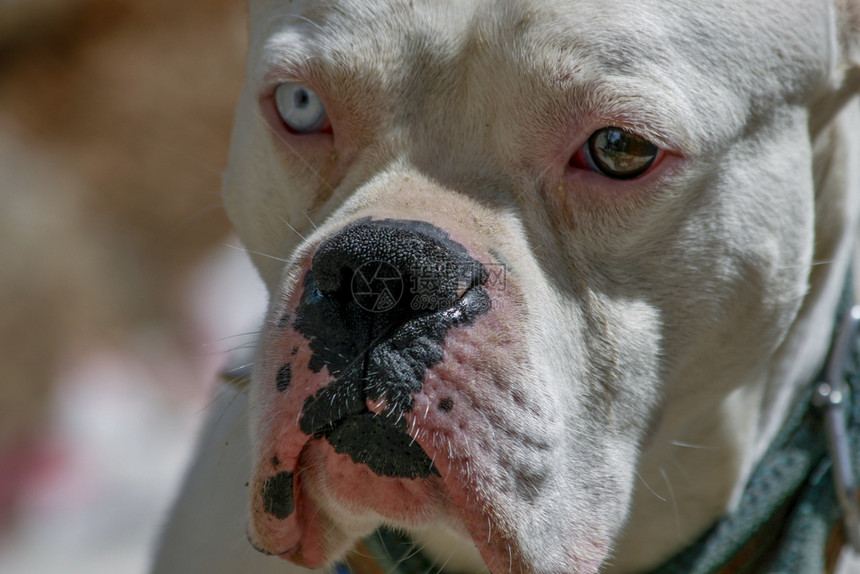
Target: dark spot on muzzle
278,495
284,321
382,444
283,378
376,306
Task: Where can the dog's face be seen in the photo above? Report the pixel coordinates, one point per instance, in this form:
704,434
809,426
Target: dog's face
506,243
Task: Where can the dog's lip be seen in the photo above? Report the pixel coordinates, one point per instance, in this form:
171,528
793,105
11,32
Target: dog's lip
294,538
253,542
301,537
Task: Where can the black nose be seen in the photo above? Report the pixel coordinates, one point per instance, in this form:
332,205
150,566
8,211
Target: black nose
394,268
376,306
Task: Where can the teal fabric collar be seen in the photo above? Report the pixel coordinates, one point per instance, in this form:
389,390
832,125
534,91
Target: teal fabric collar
790,507
387,552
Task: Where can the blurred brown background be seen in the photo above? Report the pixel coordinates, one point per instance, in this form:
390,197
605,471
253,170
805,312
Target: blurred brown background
114,127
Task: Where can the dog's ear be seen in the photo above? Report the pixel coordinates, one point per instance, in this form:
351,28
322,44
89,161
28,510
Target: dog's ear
844,73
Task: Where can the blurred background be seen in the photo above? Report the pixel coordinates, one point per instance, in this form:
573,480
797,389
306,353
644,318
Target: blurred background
121,289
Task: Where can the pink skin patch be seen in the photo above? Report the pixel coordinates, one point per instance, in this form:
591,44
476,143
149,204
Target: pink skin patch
284,530
473,421
278,425
358,489
496,447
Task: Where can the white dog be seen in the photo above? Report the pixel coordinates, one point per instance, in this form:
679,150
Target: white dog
546,277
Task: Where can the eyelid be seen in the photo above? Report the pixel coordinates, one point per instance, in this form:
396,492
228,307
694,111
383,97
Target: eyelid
283,75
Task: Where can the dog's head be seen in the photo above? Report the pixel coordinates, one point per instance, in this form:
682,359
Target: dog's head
512,244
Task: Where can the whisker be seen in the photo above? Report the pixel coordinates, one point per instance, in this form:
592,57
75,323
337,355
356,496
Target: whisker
229,337
238,382
444,564
651,490
305,213
697,446
672,497
261,254
312,23
682,470
294,230
242,347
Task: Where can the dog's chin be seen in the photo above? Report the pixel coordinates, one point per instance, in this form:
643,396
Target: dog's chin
338,502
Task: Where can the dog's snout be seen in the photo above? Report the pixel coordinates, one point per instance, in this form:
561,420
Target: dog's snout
375,308
394,267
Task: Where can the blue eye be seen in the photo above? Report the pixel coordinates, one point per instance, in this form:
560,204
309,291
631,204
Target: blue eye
300,108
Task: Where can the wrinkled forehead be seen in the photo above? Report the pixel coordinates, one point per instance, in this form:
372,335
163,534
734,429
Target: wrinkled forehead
623,32
719,57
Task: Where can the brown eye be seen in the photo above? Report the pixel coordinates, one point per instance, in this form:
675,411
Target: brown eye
619,154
